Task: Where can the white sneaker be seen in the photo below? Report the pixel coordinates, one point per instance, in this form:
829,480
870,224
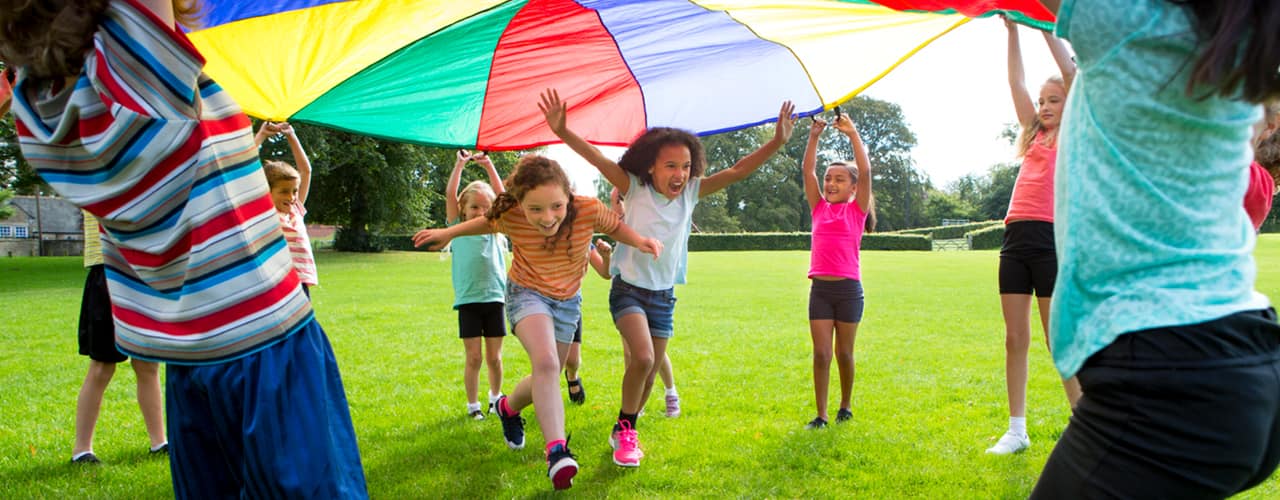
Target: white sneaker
1010,443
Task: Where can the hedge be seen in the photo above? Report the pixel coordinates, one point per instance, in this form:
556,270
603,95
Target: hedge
950,232
990,238
705,242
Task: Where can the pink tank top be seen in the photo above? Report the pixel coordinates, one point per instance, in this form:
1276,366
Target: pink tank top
837,236
1033,191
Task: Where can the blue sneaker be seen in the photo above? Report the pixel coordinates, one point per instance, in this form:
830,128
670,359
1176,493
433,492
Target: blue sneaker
512,427
561,466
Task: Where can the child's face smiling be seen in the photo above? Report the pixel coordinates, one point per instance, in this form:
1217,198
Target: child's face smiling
545,207
837,184
475,205
1053,98
670,170
283,194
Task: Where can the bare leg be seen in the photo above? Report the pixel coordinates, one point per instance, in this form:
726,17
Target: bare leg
573,361
659,352
845,335
493,359
639,346
471,369
664,371
1017,340
542,388
89,403
149,400
1071,385
820,331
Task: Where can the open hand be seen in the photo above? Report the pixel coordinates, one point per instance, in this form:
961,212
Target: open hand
786,122
554,110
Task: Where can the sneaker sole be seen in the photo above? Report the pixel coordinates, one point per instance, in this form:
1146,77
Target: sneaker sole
562,474
515,446
627,464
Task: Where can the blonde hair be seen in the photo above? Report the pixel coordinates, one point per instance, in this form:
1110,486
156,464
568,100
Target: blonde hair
279,171
475,187
1030,132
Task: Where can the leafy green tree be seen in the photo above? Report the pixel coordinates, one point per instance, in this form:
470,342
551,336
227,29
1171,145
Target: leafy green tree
6,210
940,205
995,200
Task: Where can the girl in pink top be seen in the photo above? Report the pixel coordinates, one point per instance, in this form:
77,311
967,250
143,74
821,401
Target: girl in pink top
289,188
839,208
1028,262
1262,186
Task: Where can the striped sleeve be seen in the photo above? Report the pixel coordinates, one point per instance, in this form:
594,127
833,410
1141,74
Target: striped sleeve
149,68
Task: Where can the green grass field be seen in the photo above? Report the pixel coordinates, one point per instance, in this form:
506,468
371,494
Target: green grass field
929,397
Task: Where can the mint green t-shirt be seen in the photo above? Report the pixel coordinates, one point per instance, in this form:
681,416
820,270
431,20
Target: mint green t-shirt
479,269
1149,220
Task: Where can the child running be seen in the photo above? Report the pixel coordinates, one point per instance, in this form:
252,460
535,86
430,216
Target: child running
289,188
550,229
1027,260
839,213
114,111
1155,311
479,273
660,175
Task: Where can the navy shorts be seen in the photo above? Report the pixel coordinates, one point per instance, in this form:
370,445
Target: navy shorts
482,319
273,424
1028,262
840,300
97,330
1188,411
657,306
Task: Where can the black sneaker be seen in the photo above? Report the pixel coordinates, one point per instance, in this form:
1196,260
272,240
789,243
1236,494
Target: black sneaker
816,423
577,397
843,415
561,466
512,427
475,414
86,459
161,450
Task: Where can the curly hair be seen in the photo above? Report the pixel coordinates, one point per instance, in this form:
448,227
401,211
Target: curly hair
279,171
50,38
643,152
531,172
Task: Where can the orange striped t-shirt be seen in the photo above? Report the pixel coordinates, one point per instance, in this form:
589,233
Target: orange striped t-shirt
554,272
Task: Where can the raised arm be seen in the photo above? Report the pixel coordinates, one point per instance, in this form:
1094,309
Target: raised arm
451,210
599,258
624,235
494,180
300,160
265,131
556,111
863,189
438,238
1061,56
1022,102
809,165
748,164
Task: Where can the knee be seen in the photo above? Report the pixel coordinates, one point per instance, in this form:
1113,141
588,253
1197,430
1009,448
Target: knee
822,357
493,358
545,365
473,360
642,361
845,358
101,371
1017,340
145,369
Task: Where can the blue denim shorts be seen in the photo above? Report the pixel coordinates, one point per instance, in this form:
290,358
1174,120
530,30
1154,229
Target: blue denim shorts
523,302
657,306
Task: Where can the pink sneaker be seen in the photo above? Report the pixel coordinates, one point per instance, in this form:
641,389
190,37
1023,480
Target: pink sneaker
673,406
626,446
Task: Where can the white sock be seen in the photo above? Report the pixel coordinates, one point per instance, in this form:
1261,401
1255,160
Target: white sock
493,398
1018,425
473,407
671,391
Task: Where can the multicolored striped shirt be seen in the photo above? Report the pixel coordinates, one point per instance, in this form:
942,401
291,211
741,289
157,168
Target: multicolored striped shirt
555,272
295,233
92,240
197,265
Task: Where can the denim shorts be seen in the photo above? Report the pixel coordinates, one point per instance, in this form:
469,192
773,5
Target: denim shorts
657,306
523,302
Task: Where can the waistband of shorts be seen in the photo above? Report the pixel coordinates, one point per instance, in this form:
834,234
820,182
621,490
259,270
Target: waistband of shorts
620,284
1245,338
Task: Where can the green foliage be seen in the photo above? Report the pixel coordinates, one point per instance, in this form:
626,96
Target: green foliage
940,205
6,210
951,232
990,238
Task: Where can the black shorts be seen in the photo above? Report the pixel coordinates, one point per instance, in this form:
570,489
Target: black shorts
97,328
1027,259
483,319
839,300
1188,411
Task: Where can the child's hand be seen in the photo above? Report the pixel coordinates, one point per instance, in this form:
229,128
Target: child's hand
481,157
270,129
603,248
1008,24
651,246
431,237
554,110
786,122
285,128
816,128
844,124
464,156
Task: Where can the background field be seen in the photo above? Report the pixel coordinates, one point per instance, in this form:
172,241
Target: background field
929,396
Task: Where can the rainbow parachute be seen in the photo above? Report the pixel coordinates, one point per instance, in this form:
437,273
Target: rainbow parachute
468,73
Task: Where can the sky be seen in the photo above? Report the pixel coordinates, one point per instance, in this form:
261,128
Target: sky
953,93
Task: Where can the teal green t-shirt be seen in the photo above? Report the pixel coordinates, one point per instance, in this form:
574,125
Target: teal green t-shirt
479,269
1149,218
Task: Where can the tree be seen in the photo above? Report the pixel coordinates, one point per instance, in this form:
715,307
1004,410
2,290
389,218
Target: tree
995,200
940,205
6,210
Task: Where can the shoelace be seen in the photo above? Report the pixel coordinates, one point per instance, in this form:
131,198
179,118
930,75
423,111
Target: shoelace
627,436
